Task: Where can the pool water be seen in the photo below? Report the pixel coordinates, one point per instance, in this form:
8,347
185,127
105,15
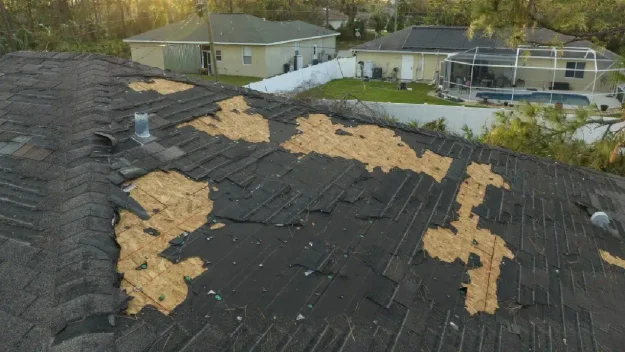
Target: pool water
538,97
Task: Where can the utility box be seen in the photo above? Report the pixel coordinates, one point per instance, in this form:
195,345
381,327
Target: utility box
377,73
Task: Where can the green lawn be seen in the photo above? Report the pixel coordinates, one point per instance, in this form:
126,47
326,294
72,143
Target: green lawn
384,92
234,80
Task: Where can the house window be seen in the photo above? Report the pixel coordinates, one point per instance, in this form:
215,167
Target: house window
218,55
575,69
247,55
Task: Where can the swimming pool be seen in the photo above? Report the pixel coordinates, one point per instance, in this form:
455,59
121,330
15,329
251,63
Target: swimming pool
538,97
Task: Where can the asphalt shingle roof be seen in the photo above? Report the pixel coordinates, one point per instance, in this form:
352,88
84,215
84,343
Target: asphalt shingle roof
233,28
454,39
319,251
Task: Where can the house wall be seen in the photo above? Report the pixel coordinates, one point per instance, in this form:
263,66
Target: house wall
278,55
424,65
148,54
232,61
432,65
542,78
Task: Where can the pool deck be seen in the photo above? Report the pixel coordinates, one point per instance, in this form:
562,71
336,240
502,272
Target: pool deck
611,102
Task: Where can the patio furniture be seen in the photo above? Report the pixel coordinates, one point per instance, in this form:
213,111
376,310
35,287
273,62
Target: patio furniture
465,87
561,86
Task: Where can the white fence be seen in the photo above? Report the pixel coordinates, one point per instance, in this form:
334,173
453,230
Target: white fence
309,76
456,117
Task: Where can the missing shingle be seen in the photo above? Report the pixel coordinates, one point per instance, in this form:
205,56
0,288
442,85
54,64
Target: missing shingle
611,259
162,86
217,226
372,145
470,241
184,206
232,123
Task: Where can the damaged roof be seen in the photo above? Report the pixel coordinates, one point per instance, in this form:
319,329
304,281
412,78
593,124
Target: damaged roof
248,222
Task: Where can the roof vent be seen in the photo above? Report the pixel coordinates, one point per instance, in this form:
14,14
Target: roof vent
600,219
142,125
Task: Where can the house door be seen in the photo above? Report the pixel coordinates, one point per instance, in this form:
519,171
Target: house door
407,62
206,61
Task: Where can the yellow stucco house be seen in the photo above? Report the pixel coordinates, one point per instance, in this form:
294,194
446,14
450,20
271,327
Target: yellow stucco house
245,45
479,67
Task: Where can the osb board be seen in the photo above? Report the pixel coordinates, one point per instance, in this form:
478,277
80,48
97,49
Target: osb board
611,259
372,145
162,86
233,122
443,244
176,204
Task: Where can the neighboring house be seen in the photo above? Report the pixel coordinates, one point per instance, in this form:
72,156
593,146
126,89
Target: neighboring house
416,53
245,45
251,222
334,18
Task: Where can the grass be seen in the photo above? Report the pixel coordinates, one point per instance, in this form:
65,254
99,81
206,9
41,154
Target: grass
234,80
384,92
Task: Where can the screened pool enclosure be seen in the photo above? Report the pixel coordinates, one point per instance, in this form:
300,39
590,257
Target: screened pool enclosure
569,75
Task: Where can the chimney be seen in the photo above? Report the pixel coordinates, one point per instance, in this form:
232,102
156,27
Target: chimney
142,125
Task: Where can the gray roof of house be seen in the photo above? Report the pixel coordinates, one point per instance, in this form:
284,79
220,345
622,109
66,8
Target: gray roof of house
233,28
454,39
318,252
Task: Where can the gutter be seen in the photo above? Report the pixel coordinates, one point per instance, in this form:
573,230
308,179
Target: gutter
435,52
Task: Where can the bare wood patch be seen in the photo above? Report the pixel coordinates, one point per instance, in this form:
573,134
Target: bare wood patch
233,122
373,145
176,205
160,85
611,259
217,226
443,244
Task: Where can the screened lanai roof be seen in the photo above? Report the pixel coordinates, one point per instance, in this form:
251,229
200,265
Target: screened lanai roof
504,57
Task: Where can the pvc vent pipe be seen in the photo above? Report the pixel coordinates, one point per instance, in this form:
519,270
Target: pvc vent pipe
142,125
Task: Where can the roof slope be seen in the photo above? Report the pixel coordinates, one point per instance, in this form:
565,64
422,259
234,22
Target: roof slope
453,39
261,224
233,28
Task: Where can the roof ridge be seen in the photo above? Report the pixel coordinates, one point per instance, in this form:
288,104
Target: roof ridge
85,309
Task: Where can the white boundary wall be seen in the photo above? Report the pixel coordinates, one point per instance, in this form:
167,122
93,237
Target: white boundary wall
456,117
310,76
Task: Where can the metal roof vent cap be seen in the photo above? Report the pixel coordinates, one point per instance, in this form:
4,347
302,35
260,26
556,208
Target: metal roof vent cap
600,219
142,125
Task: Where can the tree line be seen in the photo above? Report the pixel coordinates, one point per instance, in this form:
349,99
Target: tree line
99,25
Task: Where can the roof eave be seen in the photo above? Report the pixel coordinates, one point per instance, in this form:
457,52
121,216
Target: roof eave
129,40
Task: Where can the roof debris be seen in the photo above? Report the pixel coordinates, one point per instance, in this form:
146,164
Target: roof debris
611,259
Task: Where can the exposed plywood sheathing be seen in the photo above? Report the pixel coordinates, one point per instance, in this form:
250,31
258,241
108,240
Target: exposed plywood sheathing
233,122
448,246
176,205
162,86
373,145
611,259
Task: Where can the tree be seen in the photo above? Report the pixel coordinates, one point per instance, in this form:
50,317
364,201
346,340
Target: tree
553,133
449,12
598,21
